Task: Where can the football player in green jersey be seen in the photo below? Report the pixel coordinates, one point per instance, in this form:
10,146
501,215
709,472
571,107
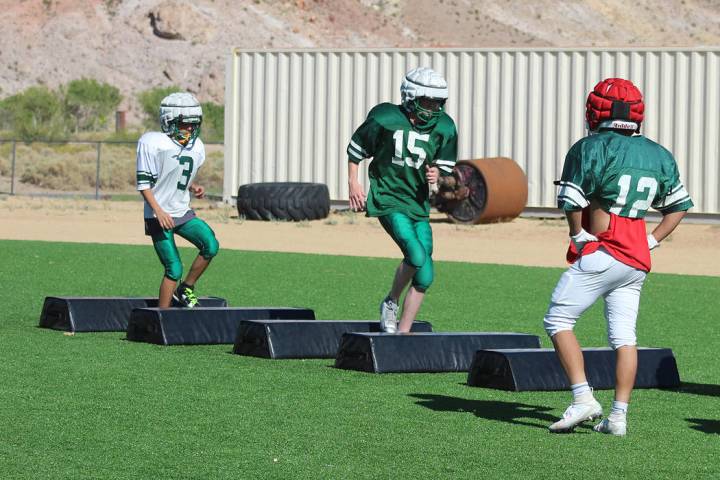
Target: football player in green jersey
609,181
411,145
167,163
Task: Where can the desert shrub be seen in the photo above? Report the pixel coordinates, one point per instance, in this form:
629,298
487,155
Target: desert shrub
150,103
46,166
211,173
90,104
213,126
5,159
117,168
35,113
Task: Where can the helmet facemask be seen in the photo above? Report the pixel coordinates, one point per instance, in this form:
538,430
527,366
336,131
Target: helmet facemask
423,93
180,118
185,130
428,109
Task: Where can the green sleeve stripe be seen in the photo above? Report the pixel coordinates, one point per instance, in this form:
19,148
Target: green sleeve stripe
678,207
676,188
677,195
145,178
682,201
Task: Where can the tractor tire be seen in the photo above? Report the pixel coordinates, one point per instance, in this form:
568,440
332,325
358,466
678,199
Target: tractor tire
283,201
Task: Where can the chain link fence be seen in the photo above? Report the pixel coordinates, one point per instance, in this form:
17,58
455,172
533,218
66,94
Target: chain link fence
87,169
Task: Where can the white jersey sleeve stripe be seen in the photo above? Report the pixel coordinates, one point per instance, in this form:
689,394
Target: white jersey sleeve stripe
679,195
564,183
570,194
358,148
445,162
352,152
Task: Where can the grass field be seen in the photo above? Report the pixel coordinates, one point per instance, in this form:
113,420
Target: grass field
97,406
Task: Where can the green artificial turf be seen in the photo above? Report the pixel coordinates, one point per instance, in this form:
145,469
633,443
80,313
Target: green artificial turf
98,406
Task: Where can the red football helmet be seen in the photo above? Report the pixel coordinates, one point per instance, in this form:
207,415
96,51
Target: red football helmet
614,103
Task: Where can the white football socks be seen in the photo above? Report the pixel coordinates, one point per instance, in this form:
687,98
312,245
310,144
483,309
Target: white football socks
580,390
619,409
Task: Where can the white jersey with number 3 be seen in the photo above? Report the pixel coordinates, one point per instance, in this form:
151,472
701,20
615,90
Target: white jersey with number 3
168,170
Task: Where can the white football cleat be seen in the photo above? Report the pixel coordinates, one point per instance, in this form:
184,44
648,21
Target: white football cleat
388,315
580,411
614,425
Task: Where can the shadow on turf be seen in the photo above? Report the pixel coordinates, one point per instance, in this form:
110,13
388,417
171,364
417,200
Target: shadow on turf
707,389
509,412
705,425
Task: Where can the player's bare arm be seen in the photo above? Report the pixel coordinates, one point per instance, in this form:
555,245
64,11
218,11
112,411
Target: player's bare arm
666,226
166,221
574,219
357,194
578,236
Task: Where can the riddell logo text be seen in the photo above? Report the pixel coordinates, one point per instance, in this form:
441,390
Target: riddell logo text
623,125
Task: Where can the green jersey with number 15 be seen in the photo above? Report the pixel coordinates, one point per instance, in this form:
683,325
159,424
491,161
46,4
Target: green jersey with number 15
400,152
625,175
168,169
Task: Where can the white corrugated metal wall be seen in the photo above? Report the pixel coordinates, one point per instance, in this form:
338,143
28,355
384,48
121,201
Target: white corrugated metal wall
290,113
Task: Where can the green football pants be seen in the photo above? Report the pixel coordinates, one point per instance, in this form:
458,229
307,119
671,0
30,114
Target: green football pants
197,232
414,237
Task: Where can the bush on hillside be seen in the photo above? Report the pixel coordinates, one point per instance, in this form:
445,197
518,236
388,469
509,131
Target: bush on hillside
150,104
90,104
213,126
34,113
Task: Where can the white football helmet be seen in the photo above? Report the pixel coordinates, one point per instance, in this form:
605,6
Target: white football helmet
177,108
423,82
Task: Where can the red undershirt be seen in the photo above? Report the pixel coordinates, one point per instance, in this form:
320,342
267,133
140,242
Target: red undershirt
625,239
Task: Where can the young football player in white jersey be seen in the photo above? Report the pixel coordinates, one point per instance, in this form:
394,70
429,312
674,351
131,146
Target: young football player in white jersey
609,181
167,163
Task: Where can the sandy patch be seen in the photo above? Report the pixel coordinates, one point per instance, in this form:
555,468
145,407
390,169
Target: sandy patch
692,249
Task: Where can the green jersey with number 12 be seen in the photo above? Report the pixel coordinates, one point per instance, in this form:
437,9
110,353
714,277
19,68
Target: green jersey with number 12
624,176
400,152
168,169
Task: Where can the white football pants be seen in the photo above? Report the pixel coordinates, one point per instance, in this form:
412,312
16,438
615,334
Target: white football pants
592,276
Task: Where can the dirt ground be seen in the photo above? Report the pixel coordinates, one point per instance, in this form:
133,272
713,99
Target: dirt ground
692,249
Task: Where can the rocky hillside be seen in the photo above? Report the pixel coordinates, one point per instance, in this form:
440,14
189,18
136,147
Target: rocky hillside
138,44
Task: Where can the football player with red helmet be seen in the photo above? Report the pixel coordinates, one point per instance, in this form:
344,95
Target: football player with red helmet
609,181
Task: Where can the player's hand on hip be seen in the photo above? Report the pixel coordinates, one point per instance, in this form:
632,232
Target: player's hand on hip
166,221
652,242
197,190
581,238
432,174
357,196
